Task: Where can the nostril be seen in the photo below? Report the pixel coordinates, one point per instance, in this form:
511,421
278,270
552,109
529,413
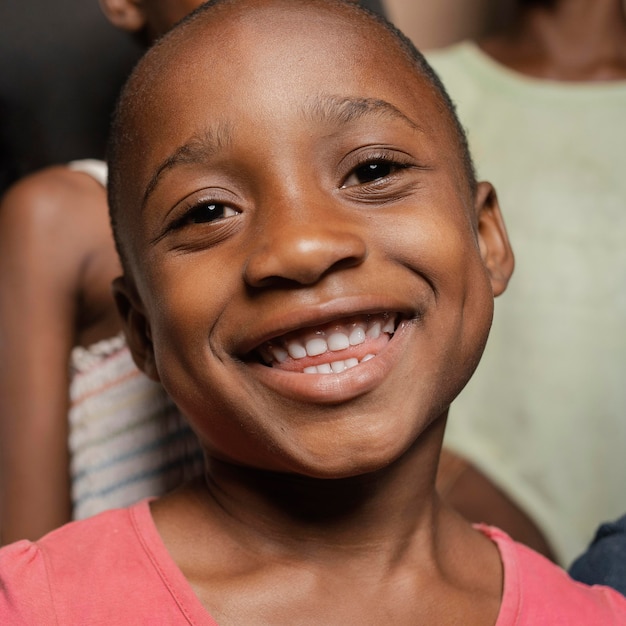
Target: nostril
304,258
347,263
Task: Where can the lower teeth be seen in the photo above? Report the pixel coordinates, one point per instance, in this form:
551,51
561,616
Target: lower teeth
336,367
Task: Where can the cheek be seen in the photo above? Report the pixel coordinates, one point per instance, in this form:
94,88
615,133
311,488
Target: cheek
442,249
185,302
197,298
473,314
436,243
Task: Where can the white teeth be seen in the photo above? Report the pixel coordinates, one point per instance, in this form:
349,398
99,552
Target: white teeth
316,346
338,341
373,332
279,354
336,367
357,336
296,350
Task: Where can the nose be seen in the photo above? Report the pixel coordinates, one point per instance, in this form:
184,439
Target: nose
303,245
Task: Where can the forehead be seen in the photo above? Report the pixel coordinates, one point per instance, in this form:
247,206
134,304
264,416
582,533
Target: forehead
265,60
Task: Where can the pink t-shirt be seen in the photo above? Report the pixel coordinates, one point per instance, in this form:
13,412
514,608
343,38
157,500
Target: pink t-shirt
114,569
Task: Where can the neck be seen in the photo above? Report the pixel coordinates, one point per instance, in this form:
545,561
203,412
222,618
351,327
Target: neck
387,509
572,40
302,544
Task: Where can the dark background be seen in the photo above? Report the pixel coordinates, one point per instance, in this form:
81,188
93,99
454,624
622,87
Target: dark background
61,66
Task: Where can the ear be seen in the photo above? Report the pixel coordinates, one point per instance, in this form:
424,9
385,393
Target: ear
136,326
129,15
493,240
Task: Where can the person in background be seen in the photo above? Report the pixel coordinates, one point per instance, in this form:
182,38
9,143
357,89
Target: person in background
81,429
537,437
604,561
433,25
60,70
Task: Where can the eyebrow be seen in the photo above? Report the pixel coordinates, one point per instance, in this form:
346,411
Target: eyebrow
343,110
199,148
326,109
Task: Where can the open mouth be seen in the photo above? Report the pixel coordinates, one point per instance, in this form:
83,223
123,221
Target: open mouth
331,348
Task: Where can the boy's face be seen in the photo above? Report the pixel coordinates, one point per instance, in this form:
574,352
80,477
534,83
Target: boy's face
296,187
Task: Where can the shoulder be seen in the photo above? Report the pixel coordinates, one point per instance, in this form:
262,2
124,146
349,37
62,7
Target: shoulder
56,210
25,596
76,571
96,546
49,185
54,197
538,592
68,545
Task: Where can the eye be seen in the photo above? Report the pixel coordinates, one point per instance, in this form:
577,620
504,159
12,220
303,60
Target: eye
207,212
204,213
203,217
372,171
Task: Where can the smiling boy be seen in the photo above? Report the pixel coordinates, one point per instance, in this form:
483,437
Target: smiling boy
309,269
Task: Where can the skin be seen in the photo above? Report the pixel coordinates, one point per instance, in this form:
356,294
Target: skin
438,24
58,262
319,494
472,494
568,40
56,267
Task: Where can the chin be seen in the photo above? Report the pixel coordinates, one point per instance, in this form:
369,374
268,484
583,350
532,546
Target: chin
339,461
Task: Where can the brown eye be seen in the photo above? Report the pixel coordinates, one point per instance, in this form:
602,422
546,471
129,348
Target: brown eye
207,212
370,172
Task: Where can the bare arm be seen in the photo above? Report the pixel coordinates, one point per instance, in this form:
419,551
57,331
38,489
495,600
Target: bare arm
44,239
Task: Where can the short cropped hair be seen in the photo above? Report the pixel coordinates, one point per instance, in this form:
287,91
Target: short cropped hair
119,134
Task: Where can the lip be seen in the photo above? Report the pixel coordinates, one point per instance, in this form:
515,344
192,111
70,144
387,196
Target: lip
321,314
335,388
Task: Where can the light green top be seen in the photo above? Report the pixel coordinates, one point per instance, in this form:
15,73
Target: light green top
545,415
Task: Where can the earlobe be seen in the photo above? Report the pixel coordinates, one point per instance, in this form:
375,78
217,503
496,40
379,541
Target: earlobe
129,15
136,326
493,240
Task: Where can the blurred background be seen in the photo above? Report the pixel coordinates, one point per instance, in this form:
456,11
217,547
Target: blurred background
62,63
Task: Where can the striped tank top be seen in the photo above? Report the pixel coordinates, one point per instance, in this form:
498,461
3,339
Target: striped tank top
127,439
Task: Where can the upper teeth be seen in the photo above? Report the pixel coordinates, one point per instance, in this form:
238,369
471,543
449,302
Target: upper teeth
335,340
